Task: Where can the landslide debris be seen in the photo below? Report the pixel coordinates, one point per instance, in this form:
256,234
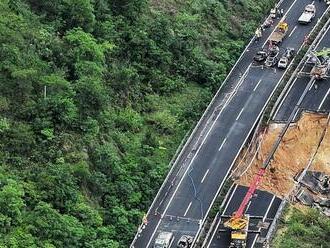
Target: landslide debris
292,156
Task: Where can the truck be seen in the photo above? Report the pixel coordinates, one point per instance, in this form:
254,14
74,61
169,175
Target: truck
164,240
308,15
239,231
280,32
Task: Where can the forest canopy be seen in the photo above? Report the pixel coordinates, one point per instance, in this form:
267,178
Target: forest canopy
96,96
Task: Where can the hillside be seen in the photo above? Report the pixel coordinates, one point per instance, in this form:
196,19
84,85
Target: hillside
95,98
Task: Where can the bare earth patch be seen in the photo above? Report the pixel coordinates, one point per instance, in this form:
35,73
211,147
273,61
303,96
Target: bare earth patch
292,156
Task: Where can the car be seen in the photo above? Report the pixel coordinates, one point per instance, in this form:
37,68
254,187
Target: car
185,242
260,56
286,58
283,63
289,53
272,57
271,61
164,240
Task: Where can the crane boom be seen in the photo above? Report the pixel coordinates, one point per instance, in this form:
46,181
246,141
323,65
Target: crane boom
252,188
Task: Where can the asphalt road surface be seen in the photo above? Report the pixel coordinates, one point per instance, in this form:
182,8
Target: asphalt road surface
318,97
184,201
262,210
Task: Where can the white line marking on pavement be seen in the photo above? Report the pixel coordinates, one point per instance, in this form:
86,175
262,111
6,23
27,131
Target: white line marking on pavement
223,142
205,175
206,136
257,85
247,208
263,219
224,211
185,213
323,100
292,31
318,43
239,115
310,87
283,99
282,19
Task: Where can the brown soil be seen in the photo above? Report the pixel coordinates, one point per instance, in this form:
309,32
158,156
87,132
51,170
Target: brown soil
292,156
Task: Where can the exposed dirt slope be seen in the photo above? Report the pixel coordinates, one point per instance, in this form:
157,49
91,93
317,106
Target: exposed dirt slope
293,154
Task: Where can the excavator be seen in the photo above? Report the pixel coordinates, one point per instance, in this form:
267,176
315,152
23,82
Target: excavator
321,64
239,221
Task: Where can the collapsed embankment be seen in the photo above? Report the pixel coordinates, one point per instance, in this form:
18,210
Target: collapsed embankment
292,156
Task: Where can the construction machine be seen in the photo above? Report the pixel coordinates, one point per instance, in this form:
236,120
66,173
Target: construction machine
239,221
280,32
321,63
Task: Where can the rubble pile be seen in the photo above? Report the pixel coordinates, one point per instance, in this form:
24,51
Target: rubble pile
314,191
292,156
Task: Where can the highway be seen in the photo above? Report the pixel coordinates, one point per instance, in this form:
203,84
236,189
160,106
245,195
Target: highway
318,97
183,202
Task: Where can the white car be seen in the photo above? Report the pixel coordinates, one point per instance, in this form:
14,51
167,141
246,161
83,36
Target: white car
283,63
286,58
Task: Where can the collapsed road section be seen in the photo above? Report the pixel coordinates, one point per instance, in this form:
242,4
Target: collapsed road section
292,156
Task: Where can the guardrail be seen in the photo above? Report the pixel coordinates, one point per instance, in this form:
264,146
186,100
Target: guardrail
287,86
273,227
186,142
272,107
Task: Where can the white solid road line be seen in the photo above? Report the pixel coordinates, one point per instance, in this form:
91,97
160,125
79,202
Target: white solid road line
263,220
224,211
239,115
257,85
247,208
283,99
310,87
185,213
223,142
232,194
292,31
323,100
205,175
282,19
318,43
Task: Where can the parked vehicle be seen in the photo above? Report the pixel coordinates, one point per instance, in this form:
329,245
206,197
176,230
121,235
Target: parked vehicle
286,58
280,32
260,56
164,240
308,15
185,242
272,57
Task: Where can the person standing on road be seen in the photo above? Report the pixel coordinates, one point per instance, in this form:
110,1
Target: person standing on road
282,12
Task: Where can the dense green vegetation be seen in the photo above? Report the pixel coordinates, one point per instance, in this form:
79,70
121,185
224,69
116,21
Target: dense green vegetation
303,229
95,97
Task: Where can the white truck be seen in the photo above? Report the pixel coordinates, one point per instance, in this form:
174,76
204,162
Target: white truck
308,14
164,240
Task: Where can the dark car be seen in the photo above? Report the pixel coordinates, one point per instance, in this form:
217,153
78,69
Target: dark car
185,242
260,56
